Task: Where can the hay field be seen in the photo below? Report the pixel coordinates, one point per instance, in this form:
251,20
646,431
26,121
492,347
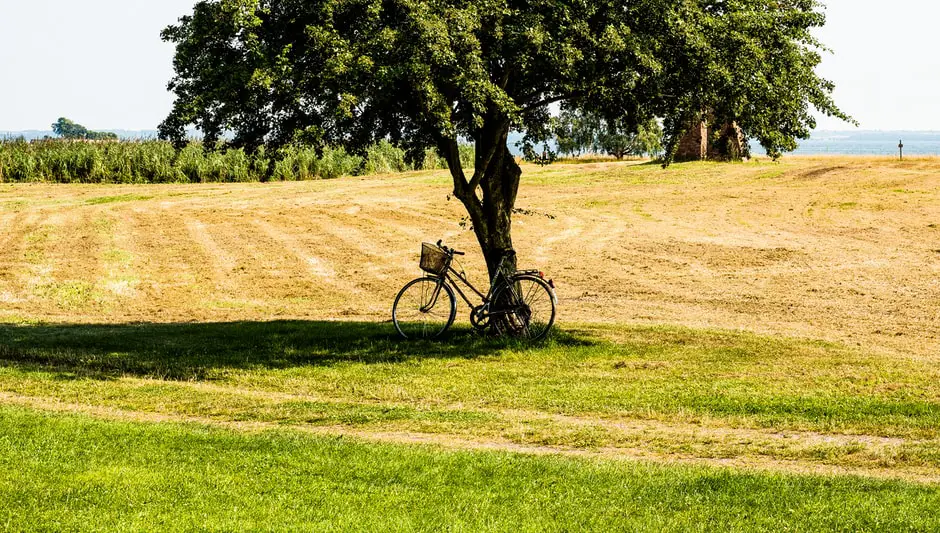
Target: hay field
839,249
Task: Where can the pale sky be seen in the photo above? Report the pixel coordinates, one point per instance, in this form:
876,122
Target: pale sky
101,62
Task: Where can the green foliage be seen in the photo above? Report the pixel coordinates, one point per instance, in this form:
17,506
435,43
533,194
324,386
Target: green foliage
424,73
467,154
576,132
579,131
337,162
543,157
16,162
191,162
295,163
649,139
385,158
433,160
617,139
751,62
158,162
68,129
102,136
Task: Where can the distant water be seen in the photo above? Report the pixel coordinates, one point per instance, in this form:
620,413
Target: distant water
866,143
821,142
860,142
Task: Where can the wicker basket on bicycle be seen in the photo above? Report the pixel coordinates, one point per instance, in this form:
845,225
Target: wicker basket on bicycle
434,260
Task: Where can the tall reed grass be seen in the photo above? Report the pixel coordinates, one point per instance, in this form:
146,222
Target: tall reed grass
62,161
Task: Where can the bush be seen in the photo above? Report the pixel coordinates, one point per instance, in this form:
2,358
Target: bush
385,158
293,163
433,159
16,163
468,156
191,163
66,161
151,162
336,163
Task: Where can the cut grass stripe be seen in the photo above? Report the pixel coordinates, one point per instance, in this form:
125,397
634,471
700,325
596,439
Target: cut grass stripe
70,472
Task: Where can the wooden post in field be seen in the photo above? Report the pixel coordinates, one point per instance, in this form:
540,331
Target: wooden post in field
901,150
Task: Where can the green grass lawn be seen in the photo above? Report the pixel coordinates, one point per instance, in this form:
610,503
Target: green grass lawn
75,473
669,391
661,371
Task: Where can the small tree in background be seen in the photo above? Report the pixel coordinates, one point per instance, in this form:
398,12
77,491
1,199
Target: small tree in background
576,132
68,129
620,139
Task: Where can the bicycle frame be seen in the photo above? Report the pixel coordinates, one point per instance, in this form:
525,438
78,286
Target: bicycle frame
451,276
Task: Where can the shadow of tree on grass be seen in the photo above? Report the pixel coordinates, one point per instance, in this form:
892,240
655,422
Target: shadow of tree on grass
191,350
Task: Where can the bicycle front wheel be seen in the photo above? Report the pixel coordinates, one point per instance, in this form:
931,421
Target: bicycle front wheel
524,307
424,309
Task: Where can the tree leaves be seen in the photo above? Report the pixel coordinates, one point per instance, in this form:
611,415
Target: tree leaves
419,72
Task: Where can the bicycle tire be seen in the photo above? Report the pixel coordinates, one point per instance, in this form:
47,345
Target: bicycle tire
408,314
528,315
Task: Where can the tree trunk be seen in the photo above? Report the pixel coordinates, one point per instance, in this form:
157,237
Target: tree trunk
500,184
497,179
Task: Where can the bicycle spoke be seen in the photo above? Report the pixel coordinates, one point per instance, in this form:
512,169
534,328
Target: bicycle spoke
527,299
423,310
527,306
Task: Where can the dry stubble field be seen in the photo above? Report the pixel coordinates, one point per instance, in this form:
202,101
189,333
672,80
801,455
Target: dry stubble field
840,249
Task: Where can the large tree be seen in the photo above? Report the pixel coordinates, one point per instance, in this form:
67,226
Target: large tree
425,73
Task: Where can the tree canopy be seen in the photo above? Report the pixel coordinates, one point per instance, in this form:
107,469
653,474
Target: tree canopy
426,73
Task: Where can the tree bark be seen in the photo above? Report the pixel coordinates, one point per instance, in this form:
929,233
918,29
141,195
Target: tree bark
500,185
497,179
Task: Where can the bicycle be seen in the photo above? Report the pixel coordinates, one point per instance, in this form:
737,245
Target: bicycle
521,304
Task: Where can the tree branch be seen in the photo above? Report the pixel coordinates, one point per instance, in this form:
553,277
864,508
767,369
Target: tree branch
481,167
451,152
496,141
552,100
462,189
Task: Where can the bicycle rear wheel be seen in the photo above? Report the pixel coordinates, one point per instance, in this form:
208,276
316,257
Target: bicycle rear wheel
424,309
524,307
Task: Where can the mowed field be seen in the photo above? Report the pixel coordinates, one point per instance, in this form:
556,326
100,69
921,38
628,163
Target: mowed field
846,250
740,346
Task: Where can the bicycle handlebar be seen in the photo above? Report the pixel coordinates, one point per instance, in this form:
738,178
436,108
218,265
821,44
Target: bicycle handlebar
448,250
440,244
